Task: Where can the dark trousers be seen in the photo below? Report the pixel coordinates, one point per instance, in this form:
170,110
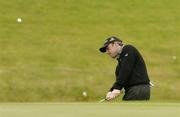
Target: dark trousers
137,92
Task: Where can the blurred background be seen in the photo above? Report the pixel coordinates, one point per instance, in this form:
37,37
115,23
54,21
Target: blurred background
49,48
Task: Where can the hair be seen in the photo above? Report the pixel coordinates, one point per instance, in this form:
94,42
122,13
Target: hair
119,43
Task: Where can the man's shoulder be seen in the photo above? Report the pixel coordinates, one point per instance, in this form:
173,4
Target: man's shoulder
129,47
127,50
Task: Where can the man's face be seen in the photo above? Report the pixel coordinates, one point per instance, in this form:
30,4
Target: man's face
112,50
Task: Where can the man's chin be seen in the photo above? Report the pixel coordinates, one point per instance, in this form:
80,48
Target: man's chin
113,57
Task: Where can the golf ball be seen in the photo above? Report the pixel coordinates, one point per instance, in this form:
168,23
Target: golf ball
174,57
84,93
19,20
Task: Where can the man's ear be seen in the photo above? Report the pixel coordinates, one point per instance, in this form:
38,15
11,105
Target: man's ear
119,43
116,43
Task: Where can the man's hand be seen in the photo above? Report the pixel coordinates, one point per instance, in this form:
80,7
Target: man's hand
112,95
108,95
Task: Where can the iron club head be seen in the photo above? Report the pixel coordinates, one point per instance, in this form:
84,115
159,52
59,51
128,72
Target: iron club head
103,100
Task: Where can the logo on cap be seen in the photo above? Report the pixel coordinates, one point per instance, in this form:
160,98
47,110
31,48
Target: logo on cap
112,39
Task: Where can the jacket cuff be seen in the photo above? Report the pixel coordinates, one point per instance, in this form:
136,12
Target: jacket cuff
118,87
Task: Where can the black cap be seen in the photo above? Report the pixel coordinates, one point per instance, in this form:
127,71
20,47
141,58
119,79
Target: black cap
107,42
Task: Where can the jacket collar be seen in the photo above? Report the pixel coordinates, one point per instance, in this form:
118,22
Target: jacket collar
120,53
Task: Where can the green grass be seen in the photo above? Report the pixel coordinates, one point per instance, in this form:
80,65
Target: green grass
53,54
90,109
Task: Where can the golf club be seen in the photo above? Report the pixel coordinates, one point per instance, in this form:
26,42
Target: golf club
102,100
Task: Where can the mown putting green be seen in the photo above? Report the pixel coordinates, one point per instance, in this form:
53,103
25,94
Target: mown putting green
137,109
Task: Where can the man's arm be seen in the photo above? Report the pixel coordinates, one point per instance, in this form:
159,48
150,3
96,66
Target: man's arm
127,65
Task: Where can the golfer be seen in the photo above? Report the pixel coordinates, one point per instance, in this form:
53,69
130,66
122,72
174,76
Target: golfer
131,73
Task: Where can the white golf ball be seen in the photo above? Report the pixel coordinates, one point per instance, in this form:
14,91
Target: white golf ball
174,57
19,20
84,93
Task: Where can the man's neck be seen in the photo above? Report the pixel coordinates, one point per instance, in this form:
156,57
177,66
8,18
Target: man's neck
119,51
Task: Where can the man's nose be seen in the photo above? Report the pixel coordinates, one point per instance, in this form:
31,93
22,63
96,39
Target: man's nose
107,51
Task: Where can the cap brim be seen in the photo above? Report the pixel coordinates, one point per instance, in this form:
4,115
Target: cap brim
103,49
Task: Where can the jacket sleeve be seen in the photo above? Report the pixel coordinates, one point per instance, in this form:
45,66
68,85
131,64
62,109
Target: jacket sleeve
125,70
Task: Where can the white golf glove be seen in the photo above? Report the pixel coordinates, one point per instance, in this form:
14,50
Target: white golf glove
113,94
108,95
